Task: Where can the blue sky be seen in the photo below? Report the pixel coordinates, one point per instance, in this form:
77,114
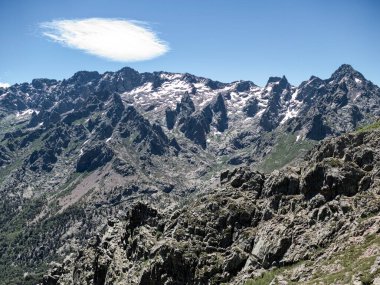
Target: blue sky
222,40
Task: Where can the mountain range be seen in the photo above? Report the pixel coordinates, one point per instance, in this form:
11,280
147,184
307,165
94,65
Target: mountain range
135,160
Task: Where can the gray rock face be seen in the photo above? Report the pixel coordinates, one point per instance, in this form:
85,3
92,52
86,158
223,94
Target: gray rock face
54,143
149,137
123,167
252,107
171,117
197,126
282,183
94,157
220,113
249,223
4,156
242,86
280,90
318,129
186,107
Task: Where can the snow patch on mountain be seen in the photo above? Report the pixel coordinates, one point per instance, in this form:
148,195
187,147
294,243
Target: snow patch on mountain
25,113
170,76
358,81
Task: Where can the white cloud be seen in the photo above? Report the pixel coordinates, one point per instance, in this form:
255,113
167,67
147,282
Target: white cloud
114,39
4,85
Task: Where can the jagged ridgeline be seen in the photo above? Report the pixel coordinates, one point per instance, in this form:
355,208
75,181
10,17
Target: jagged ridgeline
128,163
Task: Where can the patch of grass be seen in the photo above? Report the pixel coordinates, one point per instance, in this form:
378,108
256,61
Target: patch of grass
268,276
334,162
70,184
284,152
369,128
7,169
265,279
13,227
81,121
352,261
11,123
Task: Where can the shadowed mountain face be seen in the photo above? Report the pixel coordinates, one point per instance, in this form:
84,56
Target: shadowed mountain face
75,152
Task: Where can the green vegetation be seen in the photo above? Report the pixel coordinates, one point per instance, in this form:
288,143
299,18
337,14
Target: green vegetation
265,279
284,152
29,210
19,157
369,128
10,123
26,246
70,184
334,162
81,121
352,261
16,275
268,276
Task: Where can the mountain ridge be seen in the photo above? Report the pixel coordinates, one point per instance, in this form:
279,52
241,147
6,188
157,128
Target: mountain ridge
75,152
342,68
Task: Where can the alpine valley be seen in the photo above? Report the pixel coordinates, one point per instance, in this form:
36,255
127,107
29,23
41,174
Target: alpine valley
168,179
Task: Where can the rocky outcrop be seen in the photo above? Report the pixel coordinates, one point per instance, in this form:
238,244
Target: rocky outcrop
149,137
4,156
252,107
279,92
54,143
171,116
244,86
185,108
123,167
318,129
94,157
116,110
248,224
197,126
220,113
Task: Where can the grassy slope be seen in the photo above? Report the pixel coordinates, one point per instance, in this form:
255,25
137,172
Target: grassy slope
285,151
368,128
353,260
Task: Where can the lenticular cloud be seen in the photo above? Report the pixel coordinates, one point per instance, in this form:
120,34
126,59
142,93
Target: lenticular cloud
114,39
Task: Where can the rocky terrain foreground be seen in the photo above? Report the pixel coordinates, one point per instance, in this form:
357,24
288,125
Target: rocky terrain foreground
317,223
135,158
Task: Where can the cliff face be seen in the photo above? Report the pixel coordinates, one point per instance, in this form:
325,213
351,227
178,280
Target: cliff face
317,222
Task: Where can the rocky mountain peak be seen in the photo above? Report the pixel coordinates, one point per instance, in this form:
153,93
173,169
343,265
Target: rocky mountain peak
277,83
283,82
346,71
242,86
127,71
273,79
83,77
40,83
186,105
